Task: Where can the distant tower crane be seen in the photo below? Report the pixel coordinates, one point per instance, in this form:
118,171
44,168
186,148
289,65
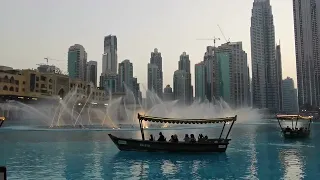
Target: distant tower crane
214,40
228,41
47,59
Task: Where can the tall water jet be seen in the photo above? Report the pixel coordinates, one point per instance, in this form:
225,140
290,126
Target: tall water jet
88,98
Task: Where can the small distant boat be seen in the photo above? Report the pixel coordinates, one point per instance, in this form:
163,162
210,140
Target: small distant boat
209,145
2,120
295,132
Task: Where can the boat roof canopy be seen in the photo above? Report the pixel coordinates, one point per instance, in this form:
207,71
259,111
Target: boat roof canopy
291,117
185,121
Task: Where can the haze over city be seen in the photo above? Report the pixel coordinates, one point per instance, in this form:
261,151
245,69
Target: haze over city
32,30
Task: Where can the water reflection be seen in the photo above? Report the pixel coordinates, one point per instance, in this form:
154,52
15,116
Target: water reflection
170,166
252,168
293,163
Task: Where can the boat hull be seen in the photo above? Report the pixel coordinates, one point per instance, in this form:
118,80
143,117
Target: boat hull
296,135
212,145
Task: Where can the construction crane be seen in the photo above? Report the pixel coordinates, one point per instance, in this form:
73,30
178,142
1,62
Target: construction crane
228,41
47,59
214,40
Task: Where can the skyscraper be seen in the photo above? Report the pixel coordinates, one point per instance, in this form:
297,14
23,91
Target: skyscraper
233,74
200,81
110,82
125,75
184,65
92,72
167,93
110,56
279,75
180,86
155,74
153,78
307,32
264,65
290,104
136,89
77,62
211,65
225,75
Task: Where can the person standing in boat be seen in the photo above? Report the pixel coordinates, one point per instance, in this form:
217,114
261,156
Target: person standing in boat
161,137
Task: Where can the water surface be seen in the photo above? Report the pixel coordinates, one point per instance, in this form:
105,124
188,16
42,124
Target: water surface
257,151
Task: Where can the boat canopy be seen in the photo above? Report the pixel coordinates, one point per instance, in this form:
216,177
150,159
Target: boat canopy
185,121
292,117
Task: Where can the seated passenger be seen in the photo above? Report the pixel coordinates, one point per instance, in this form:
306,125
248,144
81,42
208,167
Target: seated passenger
288,129
192,138
171,139
175,138
161,137
200,137
206,137
186,138
151,138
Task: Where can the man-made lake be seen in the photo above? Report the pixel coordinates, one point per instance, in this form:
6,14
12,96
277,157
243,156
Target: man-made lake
257,151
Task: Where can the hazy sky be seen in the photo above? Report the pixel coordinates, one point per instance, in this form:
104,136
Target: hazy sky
34,29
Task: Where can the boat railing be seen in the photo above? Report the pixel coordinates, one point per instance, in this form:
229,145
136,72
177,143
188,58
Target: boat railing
188,121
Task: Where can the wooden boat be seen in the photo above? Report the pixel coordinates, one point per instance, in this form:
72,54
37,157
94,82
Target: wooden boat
209,145
294,132
2,120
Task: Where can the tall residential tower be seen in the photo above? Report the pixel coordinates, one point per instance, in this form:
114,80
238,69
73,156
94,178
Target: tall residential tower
155,74
264,66
307,32
110,56
92,72
77,62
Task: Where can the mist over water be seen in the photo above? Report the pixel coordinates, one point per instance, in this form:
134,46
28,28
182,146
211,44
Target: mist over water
80,110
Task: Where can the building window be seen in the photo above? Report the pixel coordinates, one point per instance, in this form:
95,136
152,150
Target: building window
11,89
5,88
12,80
17,89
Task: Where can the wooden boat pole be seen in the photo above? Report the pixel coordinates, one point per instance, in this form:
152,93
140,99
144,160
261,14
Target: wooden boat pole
141,129
297,121
224,124
235,118
1,122
280,124
309,124
292,123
